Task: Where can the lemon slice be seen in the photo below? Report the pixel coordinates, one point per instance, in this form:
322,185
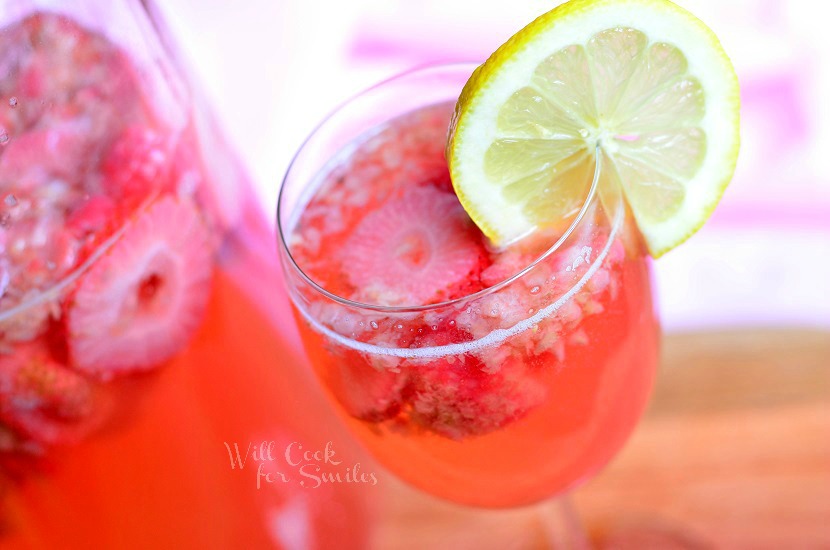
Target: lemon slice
644,80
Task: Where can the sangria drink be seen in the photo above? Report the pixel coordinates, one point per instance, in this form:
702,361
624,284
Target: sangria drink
491,376
135,339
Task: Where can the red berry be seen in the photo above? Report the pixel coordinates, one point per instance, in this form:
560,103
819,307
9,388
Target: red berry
91,217
141,302
367,392
43,400
418,249
458,398
137,166
36,158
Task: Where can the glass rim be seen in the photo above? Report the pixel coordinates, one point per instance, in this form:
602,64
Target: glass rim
417,71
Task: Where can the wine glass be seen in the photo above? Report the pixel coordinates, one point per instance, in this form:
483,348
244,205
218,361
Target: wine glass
500,394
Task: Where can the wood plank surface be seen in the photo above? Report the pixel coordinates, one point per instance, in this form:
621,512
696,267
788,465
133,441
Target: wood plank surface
734,453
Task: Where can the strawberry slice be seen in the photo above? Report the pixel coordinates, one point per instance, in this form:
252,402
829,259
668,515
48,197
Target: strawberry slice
41,399
417,249
140,304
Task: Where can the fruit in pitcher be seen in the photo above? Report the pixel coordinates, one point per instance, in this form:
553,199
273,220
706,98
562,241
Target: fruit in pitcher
142,300
137,166
43,399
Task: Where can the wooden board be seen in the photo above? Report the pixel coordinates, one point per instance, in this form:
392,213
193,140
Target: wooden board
734,453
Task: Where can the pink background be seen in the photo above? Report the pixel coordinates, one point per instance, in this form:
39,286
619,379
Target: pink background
274,68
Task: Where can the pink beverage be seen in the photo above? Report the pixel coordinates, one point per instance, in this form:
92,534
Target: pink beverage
137,332
489,377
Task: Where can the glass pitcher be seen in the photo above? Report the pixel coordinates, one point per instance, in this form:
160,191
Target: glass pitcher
140,353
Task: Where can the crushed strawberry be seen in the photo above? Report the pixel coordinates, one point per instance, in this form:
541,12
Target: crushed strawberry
38,156
458,398
43,400
91,217
137,167
30,320
367,392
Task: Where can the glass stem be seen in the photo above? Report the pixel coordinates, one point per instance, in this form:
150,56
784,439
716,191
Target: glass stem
562,526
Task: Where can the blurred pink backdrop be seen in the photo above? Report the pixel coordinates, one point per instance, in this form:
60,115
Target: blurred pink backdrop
275,68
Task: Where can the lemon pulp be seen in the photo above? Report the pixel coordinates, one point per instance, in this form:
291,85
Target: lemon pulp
655,92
